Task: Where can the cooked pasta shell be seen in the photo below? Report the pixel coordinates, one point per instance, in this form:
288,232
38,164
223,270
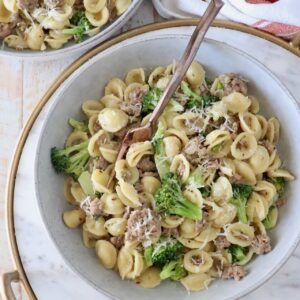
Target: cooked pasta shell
259,161
88,240
221,189
226,216
245,172
100,179
196,282
180,166
188,229
163,82
95,226
191,243
35,37
193,195
218,142
111,101
106,253
98,19
93,124
132,89
197,261
239,234
150,184
76,137
244,146
208,234
171,221
267,190
189,122
109,151
136,151
236,102
116,226
115,87
125,172
281,173
122,6
254,107
195,75
91,107
124,262
128,194
112,204
73,218
275,161
155,75
273,131
257,207
149,278
77,192
175,132
67,190
249,123
94,6
135,75
263,124
138,265
112,119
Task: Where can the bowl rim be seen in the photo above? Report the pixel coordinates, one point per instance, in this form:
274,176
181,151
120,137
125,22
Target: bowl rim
9,196
67,84
89,42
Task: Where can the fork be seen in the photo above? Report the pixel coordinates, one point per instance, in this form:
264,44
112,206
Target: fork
145,133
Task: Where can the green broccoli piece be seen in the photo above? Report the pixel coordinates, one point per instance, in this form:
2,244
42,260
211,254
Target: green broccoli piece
77,125
238,253
72,160
164,251
150,100
195,179
173,270
209,81
148,256
220,86
241,194
196,100
279,184
161,161
81,26
169,199
205,191
271,218
174,106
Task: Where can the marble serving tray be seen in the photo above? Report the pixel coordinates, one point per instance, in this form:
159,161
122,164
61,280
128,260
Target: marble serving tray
46,271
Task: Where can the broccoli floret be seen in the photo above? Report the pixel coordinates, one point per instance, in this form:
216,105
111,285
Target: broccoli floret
78,125
148,256
271,218
279,184
150,100
241,194
81,26
169,199
72,160
205,191
160,157
208,81
196,100
195,179
165,250
238,253
173,270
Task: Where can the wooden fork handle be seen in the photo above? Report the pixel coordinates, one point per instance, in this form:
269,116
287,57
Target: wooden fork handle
187,58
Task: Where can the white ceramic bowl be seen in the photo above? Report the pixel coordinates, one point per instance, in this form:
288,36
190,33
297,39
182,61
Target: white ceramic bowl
72,47
87,82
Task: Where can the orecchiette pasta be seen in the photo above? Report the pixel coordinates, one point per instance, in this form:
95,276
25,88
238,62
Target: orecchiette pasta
195,202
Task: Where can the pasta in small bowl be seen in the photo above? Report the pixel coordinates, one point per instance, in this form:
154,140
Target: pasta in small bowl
193,209
52,28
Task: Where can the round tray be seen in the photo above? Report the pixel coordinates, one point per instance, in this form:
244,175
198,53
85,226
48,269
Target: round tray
19,273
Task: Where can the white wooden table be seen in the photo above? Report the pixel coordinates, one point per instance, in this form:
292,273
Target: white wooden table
22,83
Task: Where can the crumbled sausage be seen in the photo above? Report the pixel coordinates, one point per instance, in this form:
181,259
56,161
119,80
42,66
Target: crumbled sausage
7,28
142,225
170,232
194,149
28,5
117,241
127,212
261,244
201,225
231,124
236,272
281,202
98,163
231,82
133,107
146,164
92,207
221,242
78,5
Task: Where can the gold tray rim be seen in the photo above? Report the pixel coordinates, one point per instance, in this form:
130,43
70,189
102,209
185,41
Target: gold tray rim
10,186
